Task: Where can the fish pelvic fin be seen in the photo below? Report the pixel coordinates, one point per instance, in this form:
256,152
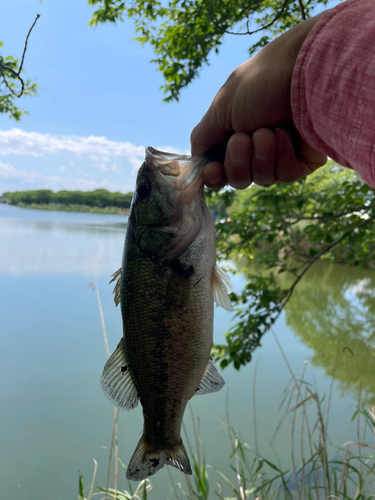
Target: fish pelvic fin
116,291
146,461
117,382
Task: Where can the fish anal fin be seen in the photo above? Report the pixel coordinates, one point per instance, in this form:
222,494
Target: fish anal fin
116,291
116,380
146,461
212,381
221,286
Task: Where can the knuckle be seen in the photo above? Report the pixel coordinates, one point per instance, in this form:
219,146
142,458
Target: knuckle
194,135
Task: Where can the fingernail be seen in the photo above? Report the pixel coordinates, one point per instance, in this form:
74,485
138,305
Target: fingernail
214,176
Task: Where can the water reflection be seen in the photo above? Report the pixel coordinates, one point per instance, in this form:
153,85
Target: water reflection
52,355
333,313
34,241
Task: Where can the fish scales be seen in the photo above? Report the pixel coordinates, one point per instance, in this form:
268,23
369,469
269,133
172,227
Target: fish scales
167,286
167,328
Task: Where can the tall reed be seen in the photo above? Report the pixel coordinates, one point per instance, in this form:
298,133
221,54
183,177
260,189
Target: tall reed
313,475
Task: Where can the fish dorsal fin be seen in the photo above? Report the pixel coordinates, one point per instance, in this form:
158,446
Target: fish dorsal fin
117,382
212,381
116,290
222,285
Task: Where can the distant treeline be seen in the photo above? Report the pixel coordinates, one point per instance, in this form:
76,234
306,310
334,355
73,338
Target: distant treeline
96,198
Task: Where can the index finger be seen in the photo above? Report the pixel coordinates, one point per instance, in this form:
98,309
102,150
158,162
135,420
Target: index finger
209,132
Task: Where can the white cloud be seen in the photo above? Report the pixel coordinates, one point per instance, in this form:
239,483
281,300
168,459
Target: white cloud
19,142
98,149
106,164
83,172
105,167
90,158
7,171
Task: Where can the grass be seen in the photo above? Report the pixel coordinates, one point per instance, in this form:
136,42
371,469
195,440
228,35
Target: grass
319,471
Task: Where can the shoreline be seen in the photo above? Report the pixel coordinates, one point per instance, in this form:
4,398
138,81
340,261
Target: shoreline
74,208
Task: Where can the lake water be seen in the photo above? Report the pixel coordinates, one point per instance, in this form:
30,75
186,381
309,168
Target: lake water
54,420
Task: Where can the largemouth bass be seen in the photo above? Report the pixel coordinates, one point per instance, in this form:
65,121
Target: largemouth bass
167,285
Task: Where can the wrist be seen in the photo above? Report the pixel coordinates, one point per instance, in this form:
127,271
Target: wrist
303,29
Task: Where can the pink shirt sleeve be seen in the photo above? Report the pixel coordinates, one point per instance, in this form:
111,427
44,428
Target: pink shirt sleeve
333,87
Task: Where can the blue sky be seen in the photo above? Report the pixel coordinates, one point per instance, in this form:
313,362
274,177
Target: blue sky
100,104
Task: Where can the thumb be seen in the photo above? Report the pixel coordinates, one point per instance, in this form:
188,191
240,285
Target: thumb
209,131
313,158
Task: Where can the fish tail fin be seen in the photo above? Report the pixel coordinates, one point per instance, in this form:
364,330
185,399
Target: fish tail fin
147,461
178,458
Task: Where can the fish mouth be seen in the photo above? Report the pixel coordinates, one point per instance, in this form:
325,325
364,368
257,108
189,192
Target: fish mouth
185,172
156,159
175,165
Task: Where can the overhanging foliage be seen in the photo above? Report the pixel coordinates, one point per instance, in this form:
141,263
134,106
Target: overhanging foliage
285,229
12,84
183,33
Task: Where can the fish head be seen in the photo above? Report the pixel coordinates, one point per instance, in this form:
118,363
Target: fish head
168,203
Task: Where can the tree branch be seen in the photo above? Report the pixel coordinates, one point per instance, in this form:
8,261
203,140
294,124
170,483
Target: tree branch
4,67
27,39
334,216
302,9
317,257
16,75
225,30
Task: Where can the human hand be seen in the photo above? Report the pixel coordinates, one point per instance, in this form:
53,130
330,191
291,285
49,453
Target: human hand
253,110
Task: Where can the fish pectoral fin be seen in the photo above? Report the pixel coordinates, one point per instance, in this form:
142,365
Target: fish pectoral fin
116,291
222,286
212,381
116,380
145,461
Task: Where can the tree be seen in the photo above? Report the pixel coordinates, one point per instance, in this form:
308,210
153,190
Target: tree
98,197
286,229
184,32
12,84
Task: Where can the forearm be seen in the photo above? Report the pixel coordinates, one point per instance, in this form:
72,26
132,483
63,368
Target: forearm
333,87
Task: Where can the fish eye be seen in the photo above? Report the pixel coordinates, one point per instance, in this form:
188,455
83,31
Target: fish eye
144,189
